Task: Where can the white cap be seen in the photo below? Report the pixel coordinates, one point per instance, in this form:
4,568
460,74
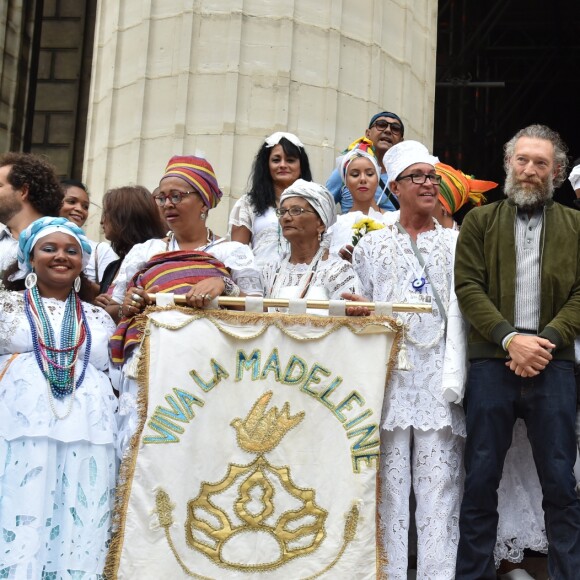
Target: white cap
405,154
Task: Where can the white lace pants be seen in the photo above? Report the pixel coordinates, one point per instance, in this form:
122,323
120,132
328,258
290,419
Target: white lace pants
432,461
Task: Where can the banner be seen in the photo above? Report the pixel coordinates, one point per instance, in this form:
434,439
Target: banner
257,450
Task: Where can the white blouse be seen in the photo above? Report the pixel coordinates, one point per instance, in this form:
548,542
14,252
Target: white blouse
268,243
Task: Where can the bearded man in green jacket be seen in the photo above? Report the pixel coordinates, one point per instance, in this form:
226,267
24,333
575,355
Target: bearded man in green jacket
517,279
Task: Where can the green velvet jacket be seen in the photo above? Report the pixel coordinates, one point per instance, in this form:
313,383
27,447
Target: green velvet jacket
485,265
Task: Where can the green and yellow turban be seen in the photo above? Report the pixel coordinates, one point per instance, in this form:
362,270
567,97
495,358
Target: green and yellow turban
456,188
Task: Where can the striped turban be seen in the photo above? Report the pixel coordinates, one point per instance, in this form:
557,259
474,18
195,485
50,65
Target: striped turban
199,174
457,188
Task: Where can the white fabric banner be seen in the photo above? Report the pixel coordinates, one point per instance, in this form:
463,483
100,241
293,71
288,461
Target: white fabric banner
257,451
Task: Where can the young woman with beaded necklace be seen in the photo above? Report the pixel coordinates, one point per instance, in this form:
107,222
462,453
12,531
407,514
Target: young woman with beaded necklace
57,413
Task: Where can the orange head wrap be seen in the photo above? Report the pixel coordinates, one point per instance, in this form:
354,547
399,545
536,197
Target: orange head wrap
456,188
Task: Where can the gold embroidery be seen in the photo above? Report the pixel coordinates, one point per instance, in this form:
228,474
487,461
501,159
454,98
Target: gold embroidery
261,431
296,532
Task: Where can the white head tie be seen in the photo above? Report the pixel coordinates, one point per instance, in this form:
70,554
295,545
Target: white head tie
405,154
574,177
274,139
317,196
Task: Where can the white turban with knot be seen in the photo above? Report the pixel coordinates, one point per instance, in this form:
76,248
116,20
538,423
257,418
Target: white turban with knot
317,196
405,154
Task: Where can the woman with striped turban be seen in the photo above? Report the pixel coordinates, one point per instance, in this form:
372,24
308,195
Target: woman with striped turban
191,260
187,191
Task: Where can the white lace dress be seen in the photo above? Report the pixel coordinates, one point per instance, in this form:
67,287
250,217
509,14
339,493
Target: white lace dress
422,434
268,243
383,261
57,477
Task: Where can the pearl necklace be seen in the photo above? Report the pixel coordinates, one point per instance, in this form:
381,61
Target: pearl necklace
58,364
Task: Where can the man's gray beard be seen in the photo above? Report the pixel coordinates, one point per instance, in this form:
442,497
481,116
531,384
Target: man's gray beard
528,197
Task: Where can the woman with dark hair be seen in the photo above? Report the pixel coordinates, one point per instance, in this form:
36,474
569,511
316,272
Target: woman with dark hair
279,163
57,413
130,216
75,207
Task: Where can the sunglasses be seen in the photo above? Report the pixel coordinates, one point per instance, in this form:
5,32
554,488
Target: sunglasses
396,128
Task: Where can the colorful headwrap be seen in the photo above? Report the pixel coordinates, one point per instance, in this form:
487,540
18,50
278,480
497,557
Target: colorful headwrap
362,147
574,177
457,188
405,154
42,227
274,139
387,114
317,196
174,272
199,174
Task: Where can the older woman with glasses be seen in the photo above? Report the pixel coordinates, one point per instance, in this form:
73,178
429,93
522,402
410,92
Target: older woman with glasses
187,192
280,161
306,212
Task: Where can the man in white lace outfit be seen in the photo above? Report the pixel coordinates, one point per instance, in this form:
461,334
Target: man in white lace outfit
422,433
29,189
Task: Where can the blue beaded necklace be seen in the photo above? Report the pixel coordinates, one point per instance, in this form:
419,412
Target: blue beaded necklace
58,364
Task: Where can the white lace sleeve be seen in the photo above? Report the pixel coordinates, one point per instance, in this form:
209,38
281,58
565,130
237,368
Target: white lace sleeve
102,328
455,361
239,259
242,213
364,264
340,277
11,307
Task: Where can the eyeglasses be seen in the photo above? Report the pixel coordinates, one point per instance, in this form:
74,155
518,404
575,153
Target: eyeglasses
396,128
294,211
175,196
420,178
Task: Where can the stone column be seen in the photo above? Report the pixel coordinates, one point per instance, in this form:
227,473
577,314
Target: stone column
215,77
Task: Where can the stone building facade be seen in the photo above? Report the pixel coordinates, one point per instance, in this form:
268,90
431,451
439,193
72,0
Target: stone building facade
211,77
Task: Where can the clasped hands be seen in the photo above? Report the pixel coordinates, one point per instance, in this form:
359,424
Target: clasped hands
529,355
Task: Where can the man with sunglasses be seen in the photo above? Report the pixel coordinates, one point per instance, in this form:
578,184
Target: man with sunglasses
385,130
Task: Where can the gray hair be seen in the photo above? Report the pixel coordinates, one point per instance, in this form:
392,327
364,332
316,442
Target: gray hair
541,132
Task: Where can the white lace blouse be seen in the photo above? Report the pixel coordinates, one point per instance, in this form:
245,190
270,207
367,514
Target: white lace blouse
386,265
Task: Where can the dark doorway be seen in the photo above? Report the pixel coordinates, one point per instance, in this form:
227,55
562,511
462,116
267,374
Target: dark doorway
502,65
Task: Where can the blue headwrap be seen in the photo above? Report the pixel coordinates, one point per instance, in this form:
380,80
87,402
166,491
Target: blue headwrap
42,227
387,114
